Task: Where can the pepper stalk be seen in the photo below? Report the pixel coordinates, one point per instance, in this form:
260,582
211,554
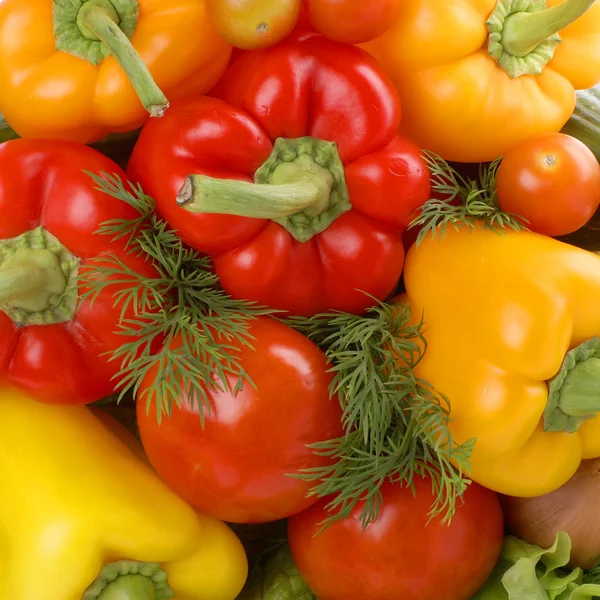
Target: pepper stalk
96,29
301,186
130,580
523,36
574,393
31,279
37,279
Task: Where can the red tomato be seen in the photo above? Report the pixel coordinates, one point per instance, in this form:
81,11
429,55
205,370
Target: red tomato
237,468
553,181
399,555
351,21
252,24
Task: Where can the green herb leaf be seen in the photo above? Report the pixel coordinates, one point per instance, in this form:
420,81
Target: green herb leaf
396,424
478,201
593,574
181,307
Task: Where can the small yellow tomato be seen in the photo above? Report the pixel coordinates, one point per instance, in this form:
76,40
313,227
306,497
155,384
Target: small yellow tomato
252,24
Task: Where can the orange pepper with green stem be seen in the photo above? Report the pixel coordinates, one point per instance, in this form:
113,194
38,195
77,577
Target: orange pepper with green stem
476,77
82,69
513,341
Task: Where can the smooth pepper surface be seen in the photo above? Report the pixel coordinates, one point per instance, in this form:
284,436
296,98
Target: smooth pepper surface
501,312
465,96
55,343
77,496
58,80
311,186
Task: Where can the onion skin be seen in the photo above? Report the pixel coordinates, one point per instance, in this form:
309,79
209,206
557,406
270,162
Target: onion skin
572,508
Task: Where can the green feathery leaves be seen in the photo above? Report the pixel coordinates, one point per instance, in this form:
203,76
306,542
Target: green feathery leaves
396,424
593,574
478,201
181,309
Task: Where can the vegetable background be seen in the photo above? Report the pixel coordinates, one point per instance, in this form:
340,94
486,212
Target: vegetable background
324,329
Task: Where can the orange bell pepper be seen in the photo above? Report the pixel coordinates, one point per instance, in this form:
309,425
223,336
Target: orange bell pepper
476,77
81,69
513,341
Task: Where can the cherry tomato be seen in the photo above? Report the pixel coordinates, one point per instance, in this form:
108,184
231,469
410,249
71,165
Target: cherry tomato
237,467
400,555
351,21
252,24
552,181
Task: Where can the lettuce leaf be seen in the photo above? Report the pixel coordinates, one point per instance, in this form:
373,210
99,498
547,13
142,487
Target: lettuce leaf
277,578
528,572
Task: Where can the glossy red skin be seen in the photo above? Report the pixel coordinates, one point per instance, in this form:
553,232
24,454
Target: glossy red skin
399,556
555,199
351,21
303,23
42,183
235,469
305,86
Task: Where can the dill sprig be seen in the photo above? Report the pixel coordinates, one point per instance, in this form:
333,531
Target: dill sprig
396,425
478,201
593,574
181,309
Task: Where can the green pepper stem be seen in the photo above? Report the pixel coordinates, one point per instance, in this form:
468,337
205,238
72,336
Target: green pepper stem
306,187
129,587
523,32
130,580
30,279
574,393
580,395
97,19
202,194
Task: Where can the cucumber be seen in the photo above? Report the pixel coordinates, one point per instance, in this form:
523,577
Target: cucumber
584,124
588,237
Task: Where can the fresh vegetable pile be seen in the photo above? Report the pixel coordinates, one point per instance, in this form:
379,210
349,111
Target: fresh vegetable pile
300,299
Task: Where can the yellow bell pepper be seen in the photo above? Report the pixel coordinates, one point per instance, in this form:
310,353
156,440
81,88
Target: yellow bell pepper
512,321
82,69
476,77
82,517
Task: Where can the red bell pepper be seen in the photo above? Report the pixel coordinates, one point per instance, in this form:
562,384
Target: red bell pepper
50,344
315,124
